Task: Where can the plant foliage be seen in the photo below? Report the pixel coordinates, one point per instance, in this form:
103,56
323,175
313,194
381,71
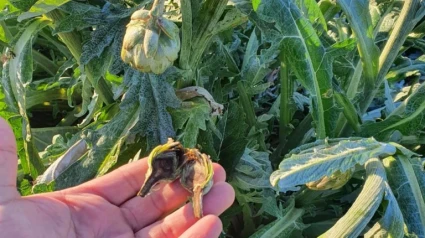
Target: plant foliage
315,109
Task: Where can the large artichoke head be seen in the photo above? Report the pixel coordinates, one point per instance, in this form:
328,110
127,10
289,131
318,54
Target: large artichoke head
151,42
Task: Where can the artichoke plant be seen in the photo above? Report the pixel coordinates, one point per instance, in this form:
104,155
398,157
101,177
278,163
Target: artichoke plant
151,43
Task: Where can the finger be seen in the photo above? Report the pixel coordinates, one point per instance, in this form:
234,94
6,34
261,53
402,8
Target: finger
215,202
208,227
117,186
141,212
8,162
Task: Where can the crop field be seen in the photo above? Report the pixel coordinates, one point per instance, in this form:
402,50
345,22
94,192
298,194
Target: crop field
314,109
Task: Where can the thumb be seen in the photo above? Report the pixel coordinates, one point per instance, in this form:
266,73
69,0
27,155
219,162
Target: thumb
8,162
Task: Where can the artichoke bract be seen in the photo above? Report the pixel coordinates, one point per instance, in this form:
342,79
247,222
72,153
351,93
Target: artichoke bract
151,42
171,161
335,181
164,165
196,177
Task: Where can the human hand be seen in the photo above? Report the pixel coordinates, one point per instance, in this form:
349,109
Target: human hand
106,206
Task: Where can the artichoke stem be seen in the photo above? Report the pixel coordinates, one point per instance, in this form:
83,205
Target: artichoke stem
197,202
157,8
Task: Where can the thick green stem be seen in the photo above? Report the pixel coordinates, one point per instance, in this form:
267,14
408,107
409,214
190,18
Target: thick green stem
157,8
186,8
286,101
73,41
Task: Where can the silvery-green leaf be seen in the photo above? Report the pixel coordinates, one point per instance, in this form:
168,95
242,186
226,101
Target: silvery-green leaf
323,158
191,117
360,22
366,204
302,49
291,221
311,10
391,224
406,177
86,95
408,118
20,75
253,171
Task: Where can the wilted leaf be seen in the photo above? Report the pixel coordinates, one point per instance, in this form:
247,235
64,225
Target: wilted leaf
322,158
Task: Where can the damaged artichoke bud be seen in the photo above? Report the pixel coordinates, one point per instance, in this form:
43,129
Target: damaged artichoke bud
151,42
171,161
164,163
196,177
335,181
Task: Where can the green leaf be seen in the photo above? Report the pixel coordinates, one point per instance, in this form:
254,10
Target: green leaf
104,142
155,95
24,5
254,67
361,23
284,226
253,171
101,38
86,96
407,180
361,212
41,7
306,57
232,146
408,118
255,4
191,118
312,11
53,141
20,75
311,162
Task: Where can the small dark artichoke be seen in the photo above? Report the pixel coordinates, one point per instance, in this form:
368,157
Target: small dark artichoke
171,161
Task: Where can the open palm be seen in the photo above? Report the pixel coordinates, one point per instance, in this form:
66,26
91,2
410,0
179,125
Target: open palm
106,206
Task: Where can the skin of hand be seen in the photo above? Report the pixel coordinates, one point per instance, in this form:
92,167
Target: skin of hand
106,206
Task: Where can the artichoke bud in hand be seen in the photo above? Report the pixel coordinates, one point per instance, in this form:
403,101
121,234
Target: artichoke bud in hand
196,177
151,43
164,165
171,161
335,181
